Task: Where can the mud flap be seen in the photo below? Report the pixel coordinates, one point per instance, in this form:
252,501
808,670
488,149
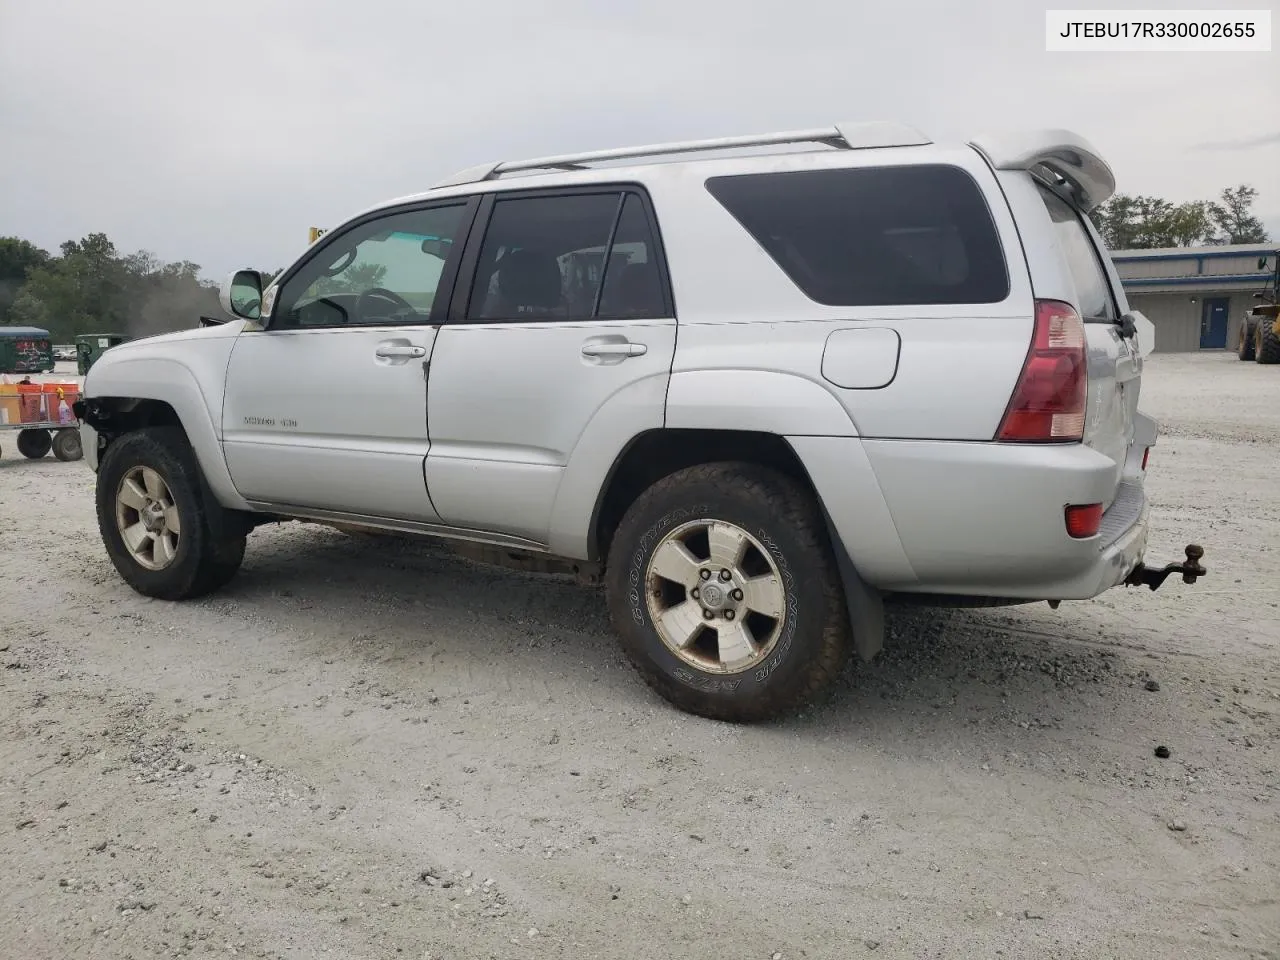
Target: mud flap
865,602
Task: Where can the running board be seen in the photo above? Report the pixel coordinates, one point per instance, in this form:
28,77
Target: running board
415,527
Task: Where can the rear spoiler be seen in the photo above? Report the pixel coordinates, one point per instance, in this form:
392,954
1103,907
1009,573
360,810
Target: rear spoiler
1053,155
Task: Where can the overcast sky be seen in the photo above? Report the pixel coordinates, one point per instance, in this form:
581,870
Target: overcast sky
218,131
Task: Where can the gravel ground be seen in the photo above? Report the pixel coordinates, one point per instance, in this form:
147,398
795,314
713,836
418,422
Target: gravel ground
375,749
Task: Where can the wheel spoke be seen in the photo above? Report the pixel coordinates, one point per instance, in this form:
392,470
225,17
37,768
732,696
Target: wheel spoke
166,545
764,595
728,544
681,623
673,561
172,522
132,495
156,489
135,537
735,642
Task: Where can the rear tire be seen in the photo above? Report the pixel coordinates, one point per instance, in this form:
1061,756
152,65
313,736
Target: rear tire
1266,343
778,635
34,444
181,544
1244,343
66,444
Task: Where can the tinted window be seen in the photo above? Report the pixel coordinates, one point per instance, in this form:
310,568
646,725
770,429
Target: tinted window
1082,259
550,258
632,282
874,236
385,271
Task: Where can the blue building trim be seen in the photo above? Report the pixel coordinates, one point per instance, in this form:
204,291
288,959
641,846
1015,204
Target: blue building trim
1194,255
1208,281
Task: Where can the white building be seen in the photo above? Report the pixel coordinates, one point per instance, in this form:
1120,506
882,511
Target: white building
1195,296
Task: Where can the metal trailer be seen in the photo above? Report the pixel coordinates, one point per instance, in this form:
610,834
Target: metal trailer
25,350
40,429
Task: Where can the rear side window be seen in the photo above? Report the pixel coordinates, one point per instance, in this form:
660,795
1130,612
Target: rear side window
1096,302
883,236
568,257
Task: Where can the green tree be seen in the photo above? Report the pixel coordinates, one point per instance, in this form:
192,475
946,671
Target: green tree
1187,225
82,291
1129,223
1233,216
17,258
91,288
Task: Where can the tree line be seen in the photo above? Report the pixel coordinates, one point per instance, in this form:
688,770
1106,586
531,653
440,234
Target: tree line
1137,222
90,287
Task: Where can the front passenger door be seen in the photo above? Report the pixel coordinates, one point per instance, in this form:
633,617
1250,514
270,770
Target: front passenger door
325,408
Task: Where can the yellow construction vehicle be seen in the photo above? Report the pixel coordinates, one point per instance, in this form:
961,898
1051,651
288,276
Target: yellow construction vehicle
1259,338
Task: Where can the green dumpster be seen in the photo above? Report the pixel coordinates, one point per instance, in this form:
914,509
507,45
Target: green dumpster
90,346
25,350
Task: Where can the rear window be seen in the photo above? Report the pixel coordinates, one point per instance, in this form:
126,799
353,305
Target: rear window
1096,302
881,236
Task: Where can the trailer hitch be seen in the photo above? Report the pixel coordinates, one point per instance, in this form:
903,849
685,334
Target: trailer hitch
1153,578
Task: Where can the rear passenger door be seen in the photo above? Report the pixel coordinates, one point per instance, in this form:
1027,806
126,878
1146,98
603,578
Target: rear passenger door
562,316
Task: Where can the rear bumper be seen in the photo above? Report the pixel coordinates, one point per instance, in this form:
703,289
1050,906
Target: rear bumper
982,519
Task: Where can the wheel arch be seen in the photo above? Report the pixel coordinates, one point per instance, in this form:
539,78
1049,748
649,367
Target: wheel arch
659,453
157,392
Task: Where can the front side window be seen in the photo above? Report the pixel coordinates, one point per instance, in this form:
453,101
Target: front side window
874,236
569,257
383,272
1092,287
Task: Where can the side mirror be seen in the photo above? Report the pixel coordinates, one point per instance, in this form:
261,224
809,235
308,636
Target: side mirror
241,294
1262,263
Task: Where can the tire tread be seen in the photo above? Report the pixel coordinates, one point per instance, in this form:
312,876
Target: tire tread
1268,344
794,507
218,553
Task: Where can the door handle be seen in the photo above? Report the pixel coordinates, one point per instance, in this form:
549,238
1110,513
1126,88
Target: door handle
614,349
393,351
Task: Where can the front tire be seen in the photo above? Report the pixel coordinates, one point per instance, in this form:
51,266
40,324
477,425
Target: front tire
1266,343
162,535
1244,343
724,591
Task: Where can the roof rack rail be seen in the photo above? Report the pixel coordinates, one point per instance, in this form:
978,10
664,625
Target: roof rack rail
843,136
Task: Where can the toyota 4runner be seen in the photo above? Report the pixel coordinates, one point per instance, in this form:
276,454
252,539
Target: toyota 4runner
757,385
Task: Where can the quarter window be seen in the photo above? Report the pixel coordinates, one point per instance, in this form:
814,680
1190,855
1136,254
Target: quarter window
383,272
874,236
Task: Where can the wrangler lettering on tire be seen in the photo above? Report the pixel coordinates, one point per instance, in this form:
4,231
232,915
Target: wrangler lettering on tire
724,589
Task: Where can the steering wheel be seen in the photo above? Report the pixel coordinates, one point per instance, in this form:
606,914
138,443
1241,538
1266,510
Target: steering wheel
399,304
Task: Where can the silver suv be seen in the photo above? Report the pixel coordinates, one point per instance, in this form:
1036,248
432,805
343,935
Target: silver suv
758,385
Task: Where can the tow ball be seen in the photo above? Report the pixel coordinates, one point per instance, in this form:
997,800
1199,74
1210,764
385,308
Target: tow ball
1153,578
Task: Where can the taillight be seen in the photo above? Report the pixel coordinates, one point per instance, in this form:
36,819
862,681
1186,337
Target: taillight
1145,453
1084,521
1048,402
